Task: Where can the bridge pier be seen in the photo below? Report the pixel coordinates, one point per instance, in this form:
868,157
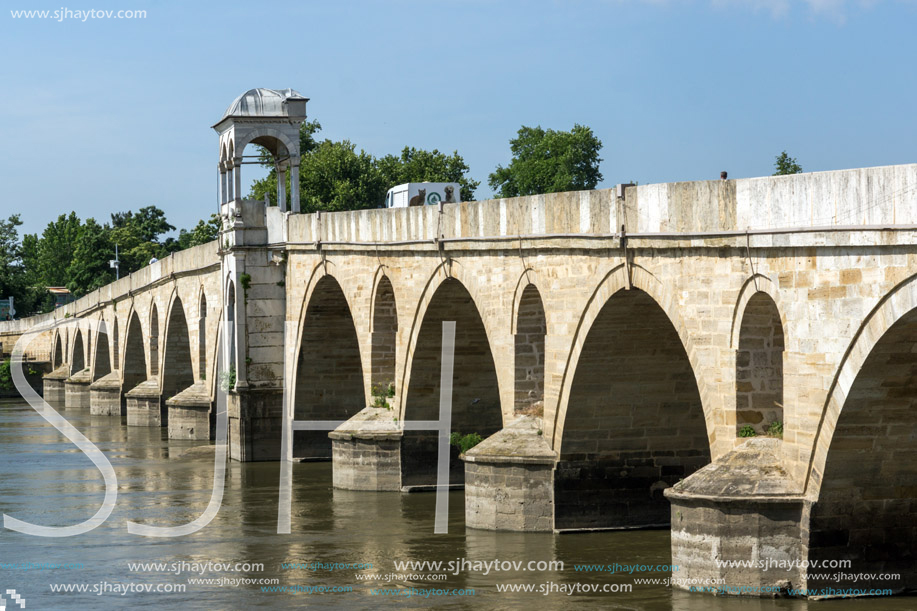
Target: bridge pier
53,389
190,414
366,452
105,395
509,480
255,424
76,390
742,508
143,405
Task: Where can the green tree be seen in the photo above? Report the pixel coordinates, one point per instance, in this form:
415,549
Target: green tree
268,185
203,232
53,252
334,176
786,165
89,268
12,273
418,165
548,161
137,236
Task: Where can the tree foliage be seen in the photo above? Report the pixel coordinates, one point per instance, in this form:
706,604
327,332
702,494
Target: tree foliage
418,165
76,254
785,164
548,161
336,176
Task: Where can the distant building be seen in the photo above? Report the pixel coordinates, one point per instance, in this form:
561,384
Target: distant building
62,296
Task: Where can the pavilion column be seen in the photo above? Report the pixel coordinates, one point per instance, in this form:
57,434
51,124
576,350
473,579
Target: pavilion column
282,188
229,196
237,176
223,182
294,185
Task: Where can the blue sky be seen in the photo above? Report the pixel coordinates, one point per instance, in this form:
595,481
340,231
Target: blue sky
108,115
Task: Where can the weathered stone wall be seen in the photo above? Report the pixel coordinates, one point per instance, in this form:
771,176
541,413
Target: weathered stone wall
759,366
531,328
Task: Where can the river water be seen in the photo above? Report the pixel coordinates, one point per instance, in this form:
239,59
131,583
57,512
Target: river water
44,479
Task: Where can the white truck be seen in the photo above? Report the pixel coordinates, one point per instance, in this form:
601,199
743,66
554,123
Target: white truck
423,194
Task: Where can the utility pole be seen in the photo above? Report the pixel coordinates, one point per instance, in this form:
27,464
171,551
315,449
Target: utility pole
115,264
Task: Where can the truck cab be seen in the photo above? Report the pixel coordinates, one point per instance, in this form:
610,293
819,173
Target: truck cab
423,194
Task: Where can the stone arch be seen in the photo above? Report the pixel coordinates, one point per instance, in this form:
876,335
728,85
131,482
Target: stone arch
154,340
757,283
893,306
266,137
634,424
77,354
475,393
615,280
445,271
384,334
529,330
528,277
116,342
202,336
866,494
177,370
328,369
134,370
57,358
759,365
101,353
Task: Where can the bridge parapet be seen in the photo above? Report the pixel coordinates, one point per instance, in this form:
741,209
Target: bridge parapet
866,197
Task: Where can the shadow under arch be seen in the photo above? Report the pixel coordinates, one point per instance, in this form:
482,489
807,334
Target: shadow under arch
101,360
475,394
329,371
634,424
866,488
177,370
760,344
384,332
77,354
134,371
529,330
57,358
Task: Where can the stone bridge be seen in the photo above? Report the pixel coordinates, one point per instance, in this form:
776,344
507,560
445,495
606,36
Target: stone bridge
615,348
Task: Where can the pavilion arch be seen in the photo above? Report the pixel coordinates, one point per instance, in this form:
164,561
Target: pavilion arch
267,137
177,370
529,331
634,424
328,369
383,334
867,450
101,354
475,392
759,341
78,353
134,370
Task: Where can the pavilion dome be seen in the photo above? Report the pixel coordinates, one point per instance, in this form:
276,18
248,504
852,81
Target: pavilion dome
261,103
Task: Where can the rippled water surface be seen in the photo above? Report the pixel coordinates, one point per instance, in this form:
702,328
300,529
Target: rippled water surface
45,480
